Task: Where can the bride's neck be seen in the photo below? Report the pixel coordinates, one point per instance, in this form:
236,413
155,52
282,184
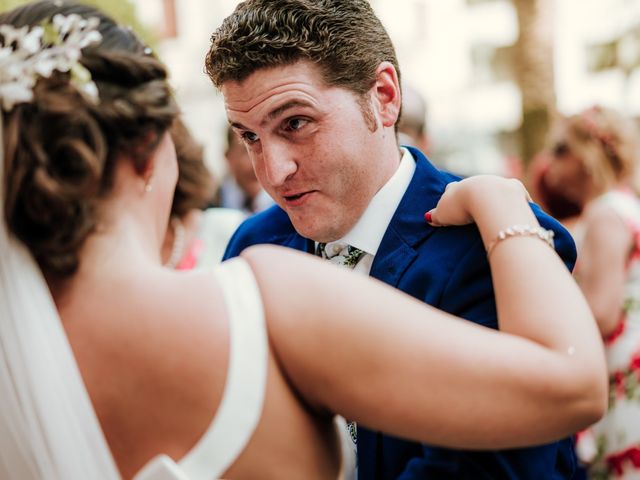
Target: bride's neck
116,250
123,239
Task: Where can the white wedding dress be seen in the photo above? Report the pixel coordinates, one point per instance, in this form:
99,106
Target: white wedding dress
241,405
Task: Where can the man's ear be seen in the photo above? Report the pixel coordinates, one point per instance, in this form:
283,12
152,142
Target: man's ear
387,93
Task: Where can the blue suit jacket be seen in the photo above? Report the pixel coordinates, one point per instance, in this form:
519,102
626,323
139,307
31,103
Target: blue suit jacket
447,268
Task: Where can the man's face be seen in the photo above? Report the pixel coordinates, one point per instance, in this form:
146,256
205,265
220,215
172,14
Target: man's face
312,148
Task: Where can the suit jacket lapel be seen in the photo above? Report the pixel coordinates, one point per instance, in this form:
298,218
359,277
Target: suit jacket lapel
408,228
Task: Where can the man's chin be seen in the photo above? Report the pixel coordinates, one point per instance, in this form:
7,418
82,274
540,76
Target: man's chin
317,233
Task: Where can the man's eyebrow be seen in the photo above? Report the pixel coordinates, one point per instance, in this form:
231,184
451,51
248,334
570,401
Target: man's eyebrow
276,112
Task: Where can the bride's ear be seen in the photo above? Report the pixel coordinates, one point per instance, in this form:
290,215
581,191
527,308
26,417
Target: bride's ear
148,180
144,161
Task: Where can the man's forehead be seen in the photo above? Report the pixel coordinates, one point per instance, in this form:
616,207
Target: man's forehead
245,101
301,78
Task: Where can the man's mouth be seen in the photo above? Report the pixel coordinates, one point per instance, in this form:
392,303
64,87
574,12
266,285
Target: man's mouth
290,198
297,199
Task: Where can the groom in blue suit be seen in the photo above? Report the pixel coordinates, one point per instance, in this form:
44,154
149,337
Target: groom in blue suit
313,91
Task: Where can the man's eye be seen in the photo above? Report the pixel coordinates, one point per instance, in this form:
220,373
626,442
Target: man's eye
249,137
294,124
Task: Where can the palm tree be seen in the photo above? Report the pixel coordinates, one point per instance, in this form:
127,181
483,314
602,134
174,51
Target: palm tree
534,73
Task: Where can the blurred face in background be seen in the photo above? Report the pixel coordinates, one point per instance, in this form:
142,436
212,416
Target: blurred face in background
241,167
567,173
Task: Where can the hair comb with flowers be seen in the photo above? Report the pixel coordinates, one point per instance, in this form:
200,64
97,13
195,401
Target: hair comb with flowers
27,54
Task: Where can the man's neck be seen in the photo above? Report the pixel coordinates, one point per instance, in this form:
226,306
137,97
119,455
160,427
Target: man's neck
366,234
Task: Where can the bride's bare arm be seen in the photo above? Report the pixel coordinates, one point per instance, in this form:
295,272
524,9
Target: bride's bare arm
354,346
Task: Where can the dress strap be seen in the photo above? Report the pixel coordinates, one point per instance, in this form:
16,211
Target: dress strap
242,401
625,203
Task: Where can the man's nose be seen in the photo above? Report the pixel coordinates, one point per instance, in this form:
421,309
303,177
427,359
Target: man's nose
279,163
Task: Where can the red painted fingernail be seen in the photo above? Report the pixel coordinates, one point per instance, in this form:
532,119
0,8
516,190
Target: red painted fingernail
427,217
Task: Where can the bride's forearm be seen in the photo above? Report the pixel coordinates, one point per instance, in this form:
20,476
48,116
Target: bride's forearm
536,296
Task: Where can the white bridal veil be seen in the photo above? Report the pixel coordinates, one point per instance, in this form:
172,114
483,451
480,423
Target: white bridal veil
48,428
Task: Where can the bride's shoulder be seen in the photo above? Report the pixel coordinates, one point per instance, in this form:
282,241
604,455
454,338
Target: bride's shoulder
186,315
150,324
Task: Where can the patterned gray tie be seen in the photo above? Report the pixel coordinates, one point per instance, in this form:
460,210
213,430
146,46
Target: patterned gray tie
346,256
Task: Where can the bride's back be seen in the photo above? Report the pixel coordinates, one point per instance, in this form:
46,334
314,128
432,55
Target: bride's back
90,178
153,349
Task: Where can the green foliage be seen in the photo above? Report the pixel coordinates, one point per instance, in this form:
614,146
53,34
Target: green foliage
123,11
9,4
601,56
622,52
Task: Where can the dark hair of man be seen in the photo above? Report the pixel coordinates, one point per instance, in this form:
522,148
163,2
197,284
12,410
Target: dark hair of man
343,37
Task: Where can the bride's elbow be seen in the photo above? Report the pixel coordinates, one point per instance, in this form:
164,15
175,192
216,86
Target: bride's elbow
572,391
587,395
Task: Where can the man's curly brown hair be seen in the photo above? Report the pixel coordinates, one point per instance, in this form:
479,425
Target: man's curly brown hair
343,37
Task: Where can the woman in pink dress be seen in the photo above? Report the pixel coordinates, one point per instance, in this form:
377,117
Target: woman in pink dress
595,158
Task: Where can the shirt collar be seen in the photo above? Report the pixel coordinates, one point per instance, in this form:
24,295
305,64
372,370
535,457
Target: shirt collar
368,231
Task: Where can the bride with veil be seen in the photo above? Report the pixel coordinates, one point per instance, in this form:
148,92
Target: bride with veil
112,366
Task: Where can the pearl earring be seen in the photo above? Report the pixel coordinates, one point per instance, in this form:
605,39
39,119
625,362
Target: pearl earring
148,186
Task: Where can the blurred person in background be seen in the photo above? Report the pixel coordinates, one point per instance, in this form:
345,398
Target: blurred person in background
412,127
552,199
240,189
196,236
594,167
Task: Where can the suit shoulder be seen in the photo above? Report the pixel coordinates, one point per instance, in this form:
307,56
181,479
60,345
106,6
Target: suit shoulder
272,221
563,241
269,226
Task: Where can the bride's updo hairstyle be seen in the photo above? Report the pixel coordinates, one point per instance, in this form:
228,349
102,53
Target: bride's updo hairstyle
61,146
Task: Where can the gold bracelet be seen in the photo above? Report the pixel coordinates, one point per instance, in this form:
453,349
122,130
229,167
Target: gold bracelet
519,231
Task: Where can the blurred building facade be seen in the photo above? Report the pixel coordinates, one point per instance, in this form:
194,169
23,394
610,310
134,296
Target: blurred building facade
460,54
597,58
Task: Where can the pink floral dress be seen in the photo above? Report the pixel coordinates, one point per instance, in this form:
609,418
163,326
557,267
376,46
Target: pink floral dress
207,247
615,439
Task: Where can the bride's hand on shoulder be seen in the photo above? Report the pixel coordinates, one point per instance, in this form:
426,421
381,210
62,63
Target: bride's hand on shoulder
464,200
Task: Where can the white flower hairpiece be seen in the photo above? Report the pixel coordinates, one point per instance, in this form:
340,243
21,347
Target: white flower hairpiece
29,53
